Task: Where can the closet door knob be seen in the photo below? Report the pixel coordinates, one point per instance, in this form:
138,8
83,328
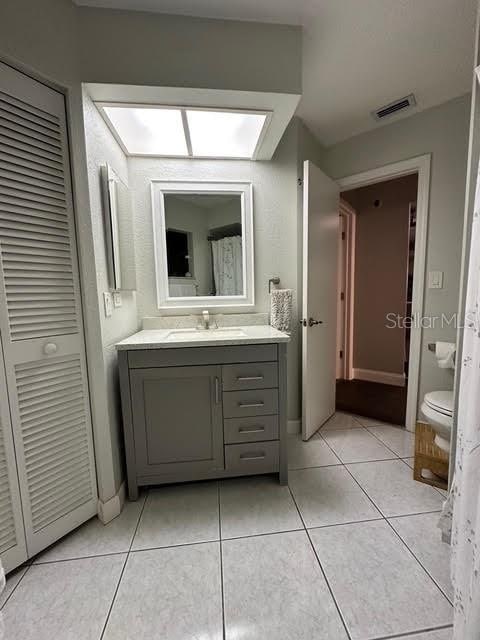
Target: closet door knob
50,348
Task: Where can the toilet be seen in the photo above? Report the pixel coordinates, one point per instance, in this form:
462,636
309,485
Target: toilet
437,408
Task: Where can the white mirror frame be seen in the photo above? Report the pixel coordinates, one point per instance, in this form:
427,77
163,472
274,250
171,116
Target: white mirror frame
161,187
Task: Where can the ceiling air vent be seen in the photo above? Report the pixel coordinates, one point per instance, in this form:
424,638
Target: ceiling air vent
394,107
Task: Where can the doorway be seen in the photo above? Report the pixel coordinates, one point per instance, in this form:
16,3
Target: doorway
381,279
376,258
320,310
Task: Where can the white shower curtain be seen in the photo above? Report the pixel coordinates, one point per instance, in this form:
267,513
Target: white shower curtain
466,485
227,266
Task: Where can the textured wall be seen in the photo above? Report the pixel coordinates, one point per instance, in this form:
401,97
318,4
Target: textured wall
102,148
274,220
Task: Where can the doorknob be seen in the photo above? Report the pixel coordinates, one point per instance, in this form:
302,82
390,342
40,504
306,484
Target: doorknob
311,322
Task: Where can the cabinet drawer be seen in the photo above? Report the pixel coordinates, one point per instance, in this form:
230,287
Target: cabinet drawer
252,458
252,375
260,402
188,356
251,429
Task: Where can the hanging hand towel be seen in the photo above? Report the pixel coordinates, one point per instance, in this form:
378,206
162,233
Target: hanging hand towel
281,309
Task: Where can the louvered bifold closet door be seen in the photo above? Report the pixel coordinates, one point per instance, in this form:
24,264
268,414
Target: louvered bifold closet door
41,322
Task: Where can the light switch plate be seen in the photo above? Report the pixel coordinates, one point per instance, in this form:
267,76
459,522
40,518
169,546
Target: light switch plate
435,279
108,303
117,299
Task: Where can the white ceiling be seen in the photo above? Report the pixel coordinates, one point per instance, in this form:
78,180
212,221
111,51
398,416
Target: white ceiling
358,54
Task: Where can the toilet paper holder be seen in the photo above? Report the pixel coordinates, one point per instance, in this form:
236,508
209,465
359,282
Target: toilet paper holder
431,347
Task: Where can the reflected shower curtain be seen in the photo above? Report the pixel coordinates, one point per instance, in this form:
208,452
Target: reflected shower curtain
466,485
227,266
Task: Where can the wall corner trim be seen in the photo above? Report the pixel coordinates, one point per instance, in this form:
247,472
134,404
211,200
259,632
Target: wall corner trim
112,508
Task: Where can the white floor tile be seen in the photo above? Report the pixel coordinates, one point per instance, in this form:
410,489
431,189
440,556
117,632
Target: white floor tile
372,422
341,421
13,579
65,600
400,441
95,539
379,586
274,588
329,495
392,488
422,535
179,514
357,445
252,506
171,594
314,453
409,461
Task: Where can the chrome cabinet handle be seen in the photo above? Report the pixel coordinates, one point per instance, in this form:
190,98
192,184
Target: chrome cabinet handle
252,456
217,390
248,378
258,429
250,405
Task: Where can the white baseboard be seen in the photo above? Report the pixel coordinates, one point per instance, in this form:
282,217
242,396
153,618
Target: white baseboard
383,377
112,508
294,426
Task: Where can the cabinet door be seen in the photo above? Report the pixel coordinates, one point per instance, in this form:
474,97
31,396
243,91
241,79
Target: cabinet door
177,419
40,314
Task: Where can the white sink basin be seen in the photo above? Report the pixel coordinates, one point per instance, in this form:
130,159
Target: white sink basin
187,335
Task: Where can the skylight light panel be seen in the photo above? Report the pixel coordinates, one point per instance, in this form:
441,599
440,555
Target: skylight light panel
224,134
149,131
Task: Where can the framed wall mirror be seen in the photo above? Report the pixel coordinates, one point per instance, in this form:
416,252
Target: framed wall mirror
203,233
118,213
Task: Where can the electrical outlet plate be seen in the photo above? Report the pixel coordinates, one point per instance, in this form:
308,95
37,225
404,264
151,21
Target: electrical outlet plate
108,303
117,299
435,279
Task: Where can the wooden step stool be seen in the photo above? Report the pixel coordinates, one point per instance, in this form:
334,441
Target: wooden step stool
429,457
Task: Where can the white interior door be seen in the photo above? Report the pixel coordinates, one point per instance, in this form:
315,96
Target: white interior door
320,286
40,313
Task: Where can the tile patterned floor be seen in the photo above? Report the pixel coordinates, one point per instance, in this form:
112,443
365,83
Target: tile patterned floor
349,551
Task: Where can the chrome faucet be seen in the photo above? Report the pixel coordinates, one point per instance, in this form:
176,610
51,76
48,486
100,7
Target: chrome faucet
206,320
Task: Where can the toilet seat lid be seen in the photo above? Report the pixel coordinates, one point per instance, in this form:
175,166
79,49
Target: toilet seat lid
441,401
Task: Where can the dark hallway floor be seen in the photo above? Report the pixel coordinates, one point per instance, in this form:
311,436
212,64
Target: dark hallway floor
383,402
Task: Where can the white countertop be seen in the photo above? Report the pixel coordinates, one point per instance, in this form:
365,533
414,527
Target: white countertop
224,336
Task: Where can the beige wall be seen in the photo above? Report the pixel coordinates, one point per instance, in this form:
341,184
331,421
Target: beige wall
442,132
381,264
132,47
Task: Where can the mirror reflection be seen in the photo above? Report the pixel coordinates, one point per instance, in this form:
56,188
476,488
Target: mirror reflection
204,239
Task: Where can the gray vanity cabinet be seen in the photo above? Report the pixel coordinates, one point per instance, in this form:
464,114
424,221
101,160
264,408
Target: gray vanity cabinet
198,413
177,422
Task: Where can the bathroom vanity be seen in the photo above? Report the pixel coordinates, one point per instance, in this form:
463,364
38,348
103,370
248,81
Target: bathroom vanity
203,404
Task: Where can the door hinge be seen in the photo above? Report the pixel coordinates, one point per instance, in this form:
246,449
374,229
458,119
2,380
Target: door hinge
341,354
300,182
343,235
342,296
